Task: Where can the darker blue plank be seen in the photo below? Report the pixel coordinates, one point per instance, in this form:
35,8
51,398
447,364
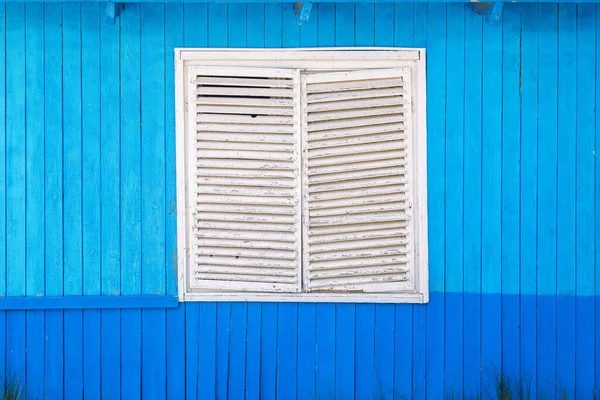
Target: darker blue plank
403,351
201,336
255,25
3,150
35,354
110,336
345,340
237,350
384,24
362,17
222,348
253,349
268,352
175,341
404,34
236,17
384,351
273,29
154,354
73,354
16,346
54,356
287,350
307,326
131,354
365,351
217,25
91,354
325,344
326,21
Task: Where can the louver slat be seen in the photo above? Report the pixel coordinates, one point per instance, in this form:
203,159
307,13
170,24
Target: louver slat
358,221
245,197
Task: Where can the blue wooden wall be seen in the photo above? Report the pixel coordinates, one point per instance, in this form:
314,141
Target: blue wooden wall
87,206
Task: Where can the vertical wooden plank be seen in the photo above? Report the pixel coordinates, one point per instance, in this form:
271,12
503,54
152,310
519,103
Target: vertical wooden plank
268,351
3,227
73,250
325,348
53,197
34,145
253,359
491,203
237,350
131,237
547,165
195,25
454,229
345,342
327,23
152,24
222,349
110,218
404,35
91,146
273,25
217,25
236,21
436,142
365,351
287,349
510,189
529,138
384,24
566,196
309,36
15,186
419,322
586,26
175,318
255,25
597,216
364,24
384,351
472,204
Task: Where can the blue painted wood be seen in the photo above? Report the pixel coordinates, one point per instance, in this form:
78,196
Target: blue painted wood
325,350
87,302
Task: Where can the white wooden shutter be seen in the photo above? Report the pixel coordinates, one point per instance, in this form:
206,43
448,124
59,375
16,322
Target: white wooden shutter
357,181
245,188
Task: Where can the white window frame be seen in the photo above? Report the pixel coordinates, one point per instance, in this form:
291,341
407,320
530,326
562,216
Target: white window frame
314,59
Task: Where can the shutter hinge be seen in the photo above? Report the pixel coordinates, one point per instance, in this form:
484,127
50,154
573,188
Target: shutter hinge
186,106
412,104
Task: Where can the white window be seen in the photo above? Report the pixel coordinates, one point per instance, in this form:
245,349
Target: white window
301,175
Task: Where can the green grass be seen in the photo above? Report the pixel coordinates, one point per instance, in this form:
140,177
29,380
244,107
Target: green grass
12,390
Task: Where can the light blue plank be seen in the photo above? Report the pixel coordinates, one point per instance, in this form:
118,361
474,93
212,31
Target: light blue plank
53,169
3,226
491,203
237,350
384,356
586,202
529,134
287,348
597,216
511,140
255,25
362,16
309,29
90,147
273,25
152,17
291,29
195,25
472,204
268,351
110,143
15,150
345,341
404,25
237,20
72,110
253,360
307,363
566,198
436,127
217,25
130,64
206,339
91,354
454,229
174,37
34,144
547,177
325,344
222,349
384,24
365,339
326,24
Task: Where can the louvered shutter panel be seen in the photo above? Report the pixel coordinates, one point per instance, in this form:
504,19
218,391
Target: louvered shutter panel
357,181
245,189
